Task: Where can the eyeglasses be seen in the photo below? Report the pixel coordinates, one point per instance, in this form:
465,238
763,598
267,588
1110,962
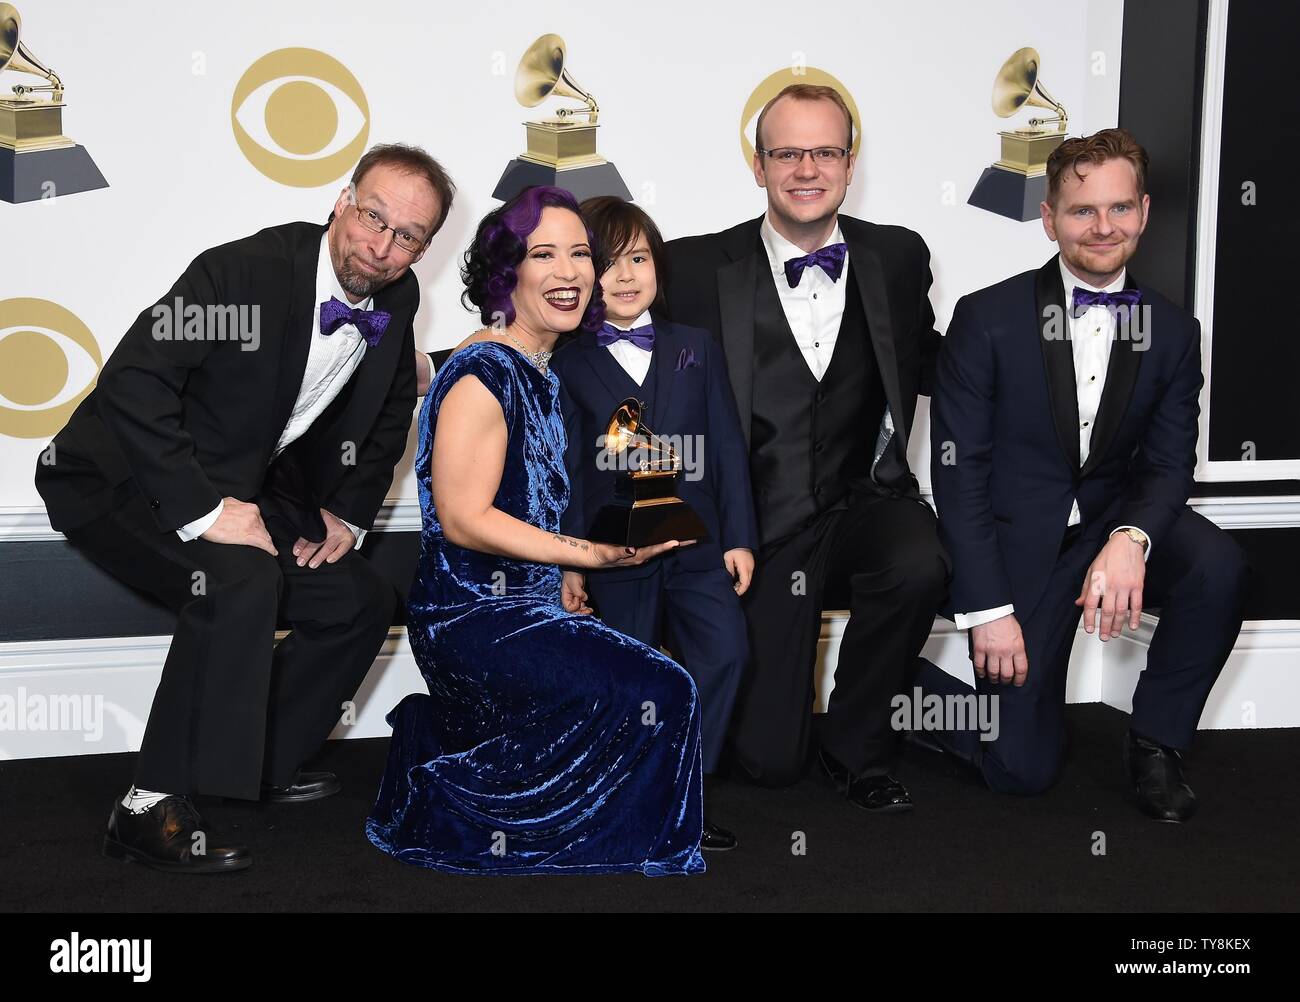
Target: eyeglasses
788,156
375,223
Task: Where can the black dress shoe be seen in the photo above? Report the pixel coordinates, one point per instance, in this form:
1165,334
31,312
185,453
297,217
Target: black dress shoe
716,839
164,838
1156,772
305,786
881,794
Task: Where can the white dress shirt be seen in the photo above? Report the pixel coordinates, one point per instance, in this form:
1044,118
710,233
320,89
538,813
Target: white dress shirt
331,361
634,359
1091,335
814,307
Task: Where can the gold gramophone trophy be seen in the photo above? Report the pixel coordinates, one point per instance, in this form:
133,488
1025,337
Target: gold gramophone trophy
646,509
36,159
1016,184
561,149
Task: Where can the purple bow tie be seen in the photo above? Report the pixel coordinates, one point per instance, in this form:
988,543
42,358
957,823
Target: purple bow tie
642,337
1083,298
829,259
370,323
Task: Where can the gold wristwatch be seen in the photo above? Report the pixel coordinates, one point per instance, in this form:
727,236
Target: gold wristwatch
1138,536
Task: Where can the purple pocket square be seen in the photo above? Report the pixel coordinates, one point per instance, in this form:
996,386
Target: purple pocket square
686,360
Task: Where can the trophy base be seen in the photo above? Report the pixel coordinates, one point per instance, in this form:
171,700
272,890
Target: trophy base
29,177
1009,193
645,525
580,182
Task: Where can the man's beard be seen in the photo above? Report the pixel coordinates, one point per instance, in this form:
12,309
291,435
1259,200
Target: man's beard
358,283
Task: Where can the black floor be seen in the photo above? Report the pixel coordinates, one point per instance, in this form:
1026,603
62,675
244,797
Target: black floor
963,848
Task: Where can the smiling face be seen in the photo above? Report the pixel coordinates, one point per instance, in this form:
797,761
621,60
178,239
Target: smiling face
365,261
803,197
1097,221
556,276
630,283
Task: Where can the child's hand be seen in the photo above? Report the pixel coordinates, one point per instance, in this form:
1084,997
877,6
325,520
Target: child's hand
573,593
740,565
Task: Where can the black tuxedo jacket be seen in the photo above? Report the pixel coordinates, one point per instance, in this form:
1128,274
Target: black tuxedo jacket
190,422
1004,424
713,283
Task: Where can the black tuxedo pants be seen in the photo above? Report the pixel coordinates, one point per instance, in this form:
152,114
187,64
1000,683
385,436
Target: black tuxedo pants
884,554
233,709
1196,577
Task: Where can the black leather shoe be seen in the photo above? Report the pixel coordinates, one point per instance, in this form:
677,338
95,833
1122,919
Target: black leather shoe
305,786
1156,772
164,838
716,839
879,794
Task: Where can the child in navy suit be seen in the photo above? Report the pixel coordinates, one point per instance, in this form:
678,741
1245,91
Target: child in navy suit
688,599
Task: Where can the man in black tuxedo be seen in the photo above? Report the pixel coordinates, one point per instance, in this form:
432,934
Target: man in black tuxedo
1064,424
231,474
828,333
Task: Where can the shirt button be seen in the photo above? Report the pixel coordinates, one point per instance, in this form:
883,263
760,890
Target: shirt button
814,295
1092,379
817,344
1084,425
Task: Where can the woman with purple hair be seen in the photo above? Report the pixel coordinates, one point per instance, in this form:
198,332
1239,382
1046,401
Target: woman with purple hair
548,742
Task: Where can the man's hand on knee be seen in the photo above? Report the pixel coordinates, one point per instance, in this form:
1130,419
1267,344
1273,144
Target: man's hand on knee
240,522
338,541
1112,588
998,651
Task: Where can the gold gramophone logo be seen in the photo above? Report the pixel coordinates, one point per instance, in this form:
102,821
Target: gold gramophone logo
37,160
300,117
561,149
49,361
777,82
1017,183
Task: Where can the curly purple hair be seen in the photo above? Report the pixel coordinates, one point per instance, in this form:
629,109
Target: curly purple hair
499,246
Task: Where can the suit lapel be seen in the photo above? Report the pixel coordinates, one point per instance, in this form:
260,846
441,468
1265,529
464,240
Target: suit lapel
299,330
737,284
1058,358
870,279
606,369
663,370
1121,376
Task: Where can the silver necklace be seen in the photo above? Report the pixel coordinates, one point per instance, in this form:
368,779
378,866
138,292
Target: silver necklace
539,358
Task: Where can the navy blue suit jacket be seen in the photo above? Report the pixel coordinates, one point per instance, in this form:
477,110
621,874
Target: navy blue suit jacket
1004,420
691,398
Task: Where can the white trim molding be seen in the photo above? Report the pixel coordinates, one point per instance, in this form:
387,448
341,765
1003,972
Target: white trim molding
86,697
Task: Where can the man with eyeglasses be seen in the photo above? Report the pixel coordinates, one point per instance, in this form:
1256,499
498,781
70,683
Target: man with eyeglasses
826,324
233,477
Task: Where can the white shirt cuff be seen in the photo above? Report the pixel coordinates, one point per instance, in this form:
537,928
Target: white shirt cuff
1146,554
193,530
968,620
359,533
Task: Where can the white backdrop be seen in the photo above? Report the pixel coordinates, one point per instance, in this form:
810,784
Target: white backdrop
150,86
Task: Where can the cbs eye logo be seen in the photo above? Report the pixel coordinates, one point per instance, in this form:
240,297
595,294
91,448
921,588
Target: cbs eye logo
300,117
49,361
777,82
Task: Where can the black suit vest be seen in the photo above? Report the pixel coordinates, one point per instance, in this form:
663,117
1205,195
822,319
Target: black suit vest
809,439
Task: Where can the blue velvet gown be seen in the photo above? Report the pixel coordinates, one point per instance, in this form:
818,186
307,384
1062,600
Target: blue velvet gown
548,742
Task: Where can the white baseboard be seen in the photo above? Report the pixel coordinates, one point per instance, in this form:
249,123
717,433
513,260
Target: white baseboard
82,697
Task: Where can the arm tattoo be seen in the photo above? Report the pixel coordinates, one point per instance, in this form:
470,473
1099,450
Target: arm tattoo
580,544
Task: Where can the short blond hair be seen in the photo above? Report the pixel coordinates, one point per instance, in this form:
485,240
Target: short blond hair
806,92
